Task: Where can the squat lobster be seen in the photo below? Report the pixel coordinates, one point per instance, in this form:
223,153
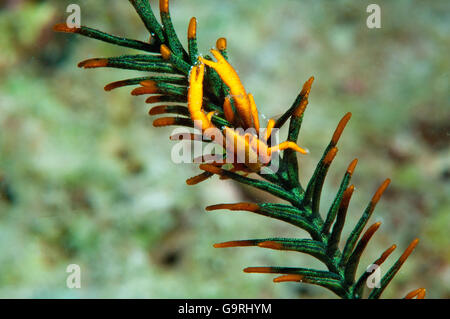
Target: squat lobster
249,149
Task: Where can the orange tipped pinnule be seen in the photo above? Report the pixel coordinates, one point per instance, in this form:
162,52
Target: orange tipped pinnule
114,85
164,6
385,255
301,107
340,128
153,99
164,121
261,270
156,110
145,90
192,29
418,293
347,196
376,197
251,207
298,112
307,88
369,232
271,245
235,243
421,294
352,166
408,250
198,179
210,168
93,63
165,52
330,156
148,83
62,27
221,44
289,278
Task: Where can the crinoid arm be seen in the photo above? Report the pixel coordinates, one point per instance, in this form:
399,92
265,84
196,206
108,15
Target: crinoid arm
188,87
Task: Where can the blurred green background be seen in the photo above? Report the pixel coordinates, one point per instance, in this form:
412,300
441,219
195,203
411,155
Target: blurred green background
86,179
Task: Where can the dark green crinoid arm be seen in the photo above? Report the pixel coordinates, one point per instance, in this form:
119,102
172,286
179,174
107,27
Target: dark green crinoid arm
168,64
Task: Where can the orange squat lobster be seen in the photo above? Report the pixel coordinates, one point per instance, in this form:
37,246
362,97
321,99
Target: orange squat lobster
253,148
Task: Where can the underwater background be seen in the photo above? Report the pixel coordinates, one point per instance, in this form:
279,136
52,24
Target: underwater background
85,179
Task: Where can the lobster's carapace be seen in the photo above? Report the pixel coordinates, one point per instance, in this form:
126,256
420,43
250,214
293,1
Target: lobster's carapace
249,148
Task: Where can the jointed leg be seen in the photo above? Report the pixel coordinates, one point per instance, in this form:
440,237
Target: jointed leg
286,145
254,112
228,109
230,77
269,129
195,96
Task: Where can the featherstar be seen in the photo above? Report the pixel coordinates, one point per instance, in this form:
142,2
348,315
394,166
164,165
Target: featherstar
210,96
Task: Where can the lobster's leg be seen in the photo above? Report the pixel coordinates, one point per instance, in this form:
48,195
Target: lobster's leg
269,129
195,97
254,112
286,145
230,77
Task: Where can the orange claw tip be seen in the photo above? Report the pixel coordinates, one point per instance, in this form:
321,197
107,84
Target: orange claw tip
408,250
330,156
93,63
221,44
289,278
376,197
301,150
261,270
164,6
340,128
251,207
235,243
192,29
164,121
165,52
271,245
352,166
62,27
